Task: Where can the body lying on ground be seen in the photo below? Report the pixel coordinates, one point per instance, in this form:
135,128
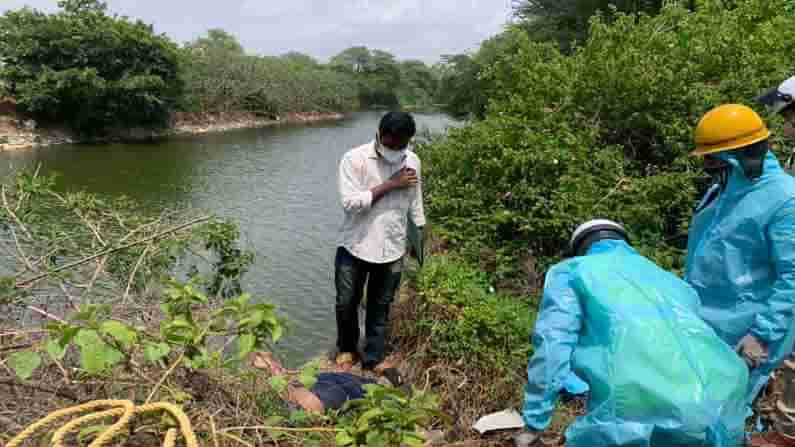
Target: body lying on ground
331,390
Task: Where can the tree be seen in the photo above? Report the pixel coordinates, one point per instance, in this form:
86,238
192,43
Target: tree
85,68
218,40
80,6
300,60
568,21
418,84
353,60
220,77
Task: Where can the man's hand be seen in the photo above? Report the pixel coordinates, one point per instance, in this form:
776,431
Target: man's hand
753,351
405,178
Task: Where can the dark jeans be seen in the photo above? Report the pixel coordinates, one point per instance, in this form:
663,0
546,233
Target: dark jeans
334,389
382,281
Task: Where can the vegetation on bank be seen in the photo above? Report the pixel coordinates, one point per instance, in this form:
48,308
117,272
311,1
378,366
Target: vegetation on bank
602,131
97,72
100,301
600,128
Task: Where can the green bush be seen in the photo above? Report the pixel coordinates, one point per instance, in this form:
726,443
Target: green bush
604,131
468,321
88,69
220,77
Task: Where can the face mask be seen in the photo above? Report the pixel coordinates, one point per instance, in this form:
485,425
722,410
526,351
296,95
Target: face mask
390,156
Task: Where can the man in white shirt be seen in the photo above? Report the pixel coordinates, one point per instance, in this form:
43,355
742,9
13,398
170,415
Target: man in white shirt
380,189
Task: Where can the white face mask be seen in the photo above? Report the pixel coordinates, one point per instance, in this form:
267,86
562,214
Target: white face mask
390,156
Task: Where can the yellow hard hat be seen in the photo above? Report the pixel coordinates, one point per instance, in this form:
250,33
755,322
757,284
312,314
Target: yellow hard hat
730,126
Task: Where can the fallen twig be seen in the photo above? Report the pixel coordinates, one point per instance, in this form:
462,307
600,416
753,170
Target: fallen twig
165,376
66,394
46,314
134,271
12,213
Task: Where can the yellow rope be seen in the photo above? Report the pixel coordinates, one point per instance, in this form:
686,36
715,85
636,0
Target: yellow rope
125,410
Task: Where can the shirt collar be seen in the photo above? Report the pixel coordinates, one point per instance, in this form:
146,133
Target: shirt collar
372,153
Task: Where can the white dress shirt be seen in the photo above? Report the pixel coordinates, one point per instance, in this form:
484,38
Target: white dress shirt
376,233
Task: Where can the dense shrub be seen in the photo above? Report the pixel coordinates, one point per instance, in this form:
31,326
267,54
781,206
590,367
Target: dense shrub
466,321
604,131
86,68
220,77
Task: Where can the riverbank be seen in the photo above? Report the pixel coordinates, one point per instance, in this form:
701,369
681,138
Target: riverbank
17,133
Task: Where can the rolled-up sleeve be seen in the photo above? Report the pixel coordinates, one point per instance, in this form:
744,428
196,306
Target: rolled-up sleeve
417,208
354,195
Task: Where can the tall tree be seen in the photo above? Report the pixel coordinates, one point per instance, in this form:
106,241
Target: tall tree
568,21
353,60
218,40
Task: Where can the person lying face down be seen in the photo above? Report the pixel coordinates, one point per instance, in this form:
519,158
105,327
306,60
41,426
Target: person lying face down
331,390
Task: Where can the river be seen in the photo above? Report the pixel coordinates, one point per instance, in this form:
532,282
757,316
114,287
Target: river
278,183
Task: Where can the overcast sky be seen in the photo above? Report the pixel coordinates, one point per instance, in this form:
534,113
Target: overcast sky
411,29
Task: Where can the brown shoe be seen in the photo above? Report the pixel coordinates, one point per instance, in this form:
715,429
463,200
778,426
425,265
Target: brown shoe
771,439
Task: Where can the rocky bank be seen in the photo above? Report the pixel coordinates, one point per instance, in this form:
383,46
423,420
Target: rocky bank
17,133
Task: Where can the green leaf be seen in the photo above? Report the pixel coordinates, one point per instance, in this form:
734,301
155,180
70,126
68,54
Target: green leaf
88,431
95,355
24,363
277,332
343,439
278,383
308,378
245,344
122,333
411,440
56,350
154,352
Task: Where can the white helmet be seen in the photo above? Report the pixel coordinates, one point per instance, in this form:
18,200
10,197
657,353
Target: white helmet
781,97
587,229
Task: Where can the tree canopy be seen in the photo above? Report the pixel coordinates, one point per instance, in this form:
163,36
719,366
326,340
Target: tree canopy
87,68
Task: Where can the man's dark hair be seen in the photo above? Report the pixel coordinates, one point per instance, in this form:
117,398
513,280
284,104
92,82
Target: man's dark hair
398,124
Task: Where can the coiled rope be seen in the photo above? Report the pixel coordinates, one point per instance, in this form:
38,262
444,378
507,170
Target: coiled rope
125,410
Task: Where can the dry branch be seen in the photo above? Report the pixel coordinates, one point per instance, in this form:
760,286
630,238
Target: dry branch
112,250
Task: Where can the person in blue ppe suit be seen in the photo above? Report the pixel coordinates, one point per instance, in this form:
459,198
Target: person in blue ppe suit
741,245
658,374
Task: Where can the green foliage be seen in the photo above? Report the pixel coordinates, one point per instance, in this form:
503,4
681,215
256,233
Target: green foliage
187,326
24,363
567,22
468,321
382,81
464,90
604,131
220,77
387,417
418,84
88,69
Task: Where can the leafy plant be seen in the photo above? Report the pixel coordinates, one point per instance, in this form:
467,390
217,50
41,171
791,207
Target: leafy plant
602,132
468,321
387,417
187,326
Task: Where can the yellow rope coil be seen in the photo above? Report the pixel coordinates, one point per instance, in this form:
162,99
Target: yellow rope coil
124,409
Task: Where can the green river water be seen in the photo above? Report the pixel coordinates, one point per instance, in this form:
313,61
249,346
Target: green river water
278,183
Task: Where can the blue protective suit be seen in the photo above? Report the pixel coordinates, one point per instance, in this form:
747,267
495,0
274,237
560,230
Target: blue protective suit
659,375
741,261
